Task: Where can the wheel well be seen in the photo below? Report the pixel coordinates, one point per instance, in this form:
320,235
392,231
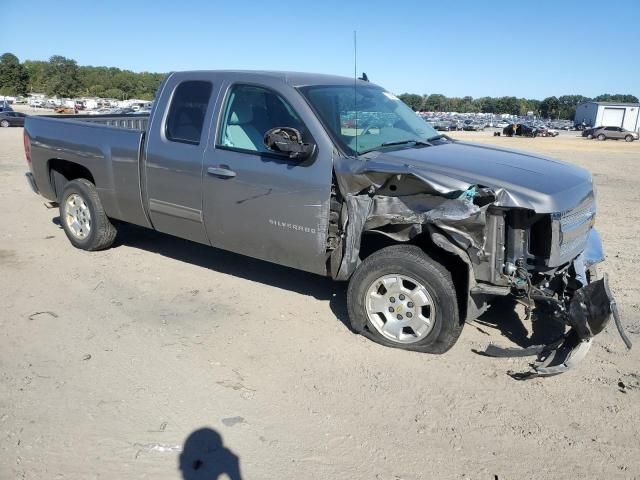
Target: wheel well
63,171
371,242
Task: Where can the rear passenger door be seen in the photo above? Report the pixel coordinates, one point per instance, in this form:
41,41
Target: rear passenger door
175,144
262,204
612,132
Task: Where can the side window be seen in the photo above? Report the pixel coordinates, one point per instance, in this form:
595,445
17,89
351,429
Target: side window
252,111
187,111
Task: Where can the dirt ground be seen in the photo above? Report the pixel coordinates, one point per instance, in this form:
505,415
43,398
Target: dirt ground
160,353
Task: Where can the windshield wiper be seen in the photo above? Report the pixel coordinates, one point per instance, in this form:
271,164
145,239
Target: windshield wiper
398,142
438,137
404,142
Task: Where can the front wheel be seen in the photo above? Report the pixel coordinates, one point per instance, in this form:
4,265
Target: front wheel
628,138
4,124
400,297
83,218
590,137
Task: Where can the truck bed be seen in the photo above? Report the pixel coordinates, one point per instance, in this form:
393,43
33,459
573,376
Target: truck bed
108,146
130,122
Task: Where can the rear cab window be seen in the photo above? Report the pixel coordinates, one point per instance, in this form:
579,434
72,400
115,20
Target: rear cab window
187,112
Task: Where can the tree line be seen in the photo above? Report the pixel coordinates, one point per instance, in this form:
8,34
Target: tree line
63,77
563,107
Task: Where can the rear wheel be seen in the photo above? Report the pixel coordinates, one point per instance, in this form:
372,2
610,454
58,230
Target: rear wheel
400,297
4,124
83,218
601,137
628,138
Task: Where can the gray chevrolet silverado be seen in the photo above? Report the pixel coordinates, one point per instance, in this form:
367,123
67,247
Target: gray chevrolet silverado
338,177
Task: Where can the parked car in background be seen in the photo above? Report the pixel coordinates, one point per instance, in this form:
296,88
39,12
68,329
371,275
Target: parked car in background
471,126
65,110
520,130
443,126
11,119
613,133
546,132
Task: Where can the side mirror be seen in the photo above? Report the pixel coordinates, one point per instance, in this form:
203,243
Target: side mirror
289,141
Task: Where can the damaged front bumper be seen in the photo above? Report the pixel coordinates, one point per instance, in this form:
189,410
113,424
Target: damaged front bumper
588,313
512,235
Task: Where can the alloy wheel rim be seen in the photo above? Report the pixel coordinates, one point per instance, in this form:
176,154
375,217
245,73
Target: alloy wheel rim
77,216
400,308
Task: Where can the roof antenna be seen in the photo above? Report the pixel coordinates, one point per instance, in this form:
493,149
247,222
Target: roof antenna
355,83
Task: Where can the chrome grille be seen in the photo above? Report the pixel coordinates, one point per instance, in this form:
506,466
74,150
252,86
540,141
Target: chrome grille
571,230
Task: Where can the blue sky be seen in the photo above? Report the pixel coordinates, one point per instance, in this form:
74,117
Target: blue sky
525,48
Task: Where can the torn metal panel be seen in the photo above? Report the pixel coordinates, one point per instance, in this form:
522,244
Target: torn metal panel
589,312
356,175
358,207
404,217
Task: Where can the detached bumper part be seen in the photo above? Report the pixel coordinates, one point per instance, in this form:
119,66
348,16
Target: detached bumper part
589,312
593,253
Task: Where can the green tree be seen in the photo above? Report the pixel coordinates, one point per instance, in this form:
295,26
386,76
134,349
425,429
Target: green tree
618,97
62,77
549,107
567,105
486,105
413,100
37,76
436,102
13,76
114,93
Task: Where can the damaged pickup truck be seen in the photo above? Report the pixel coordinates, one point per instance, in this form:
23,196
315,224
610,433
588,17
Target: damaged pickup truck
340,178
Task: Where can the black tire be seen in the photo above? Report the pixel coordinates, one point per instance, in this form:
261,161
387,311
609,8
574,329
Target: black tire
628,138
4,124
101,233
590,137
601,137
411,261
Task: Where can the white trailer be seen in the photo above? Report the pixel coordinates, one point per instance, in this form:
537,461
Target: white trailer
609,114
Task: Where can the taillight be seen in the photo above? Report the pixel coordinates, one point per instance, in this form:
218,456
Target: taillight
27,148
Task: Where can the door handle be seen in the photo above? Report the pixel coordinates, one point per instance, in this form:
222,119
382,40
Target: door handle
222,171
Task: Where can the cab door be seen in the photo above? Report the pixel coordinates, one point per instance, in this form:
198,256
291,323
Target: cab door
175,145
259,203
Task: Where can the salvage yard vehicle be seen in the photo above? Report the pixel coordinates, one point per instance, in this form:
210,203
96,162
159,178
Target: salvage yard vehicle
520,130
12,119
278,166
546,132
612,133
587,132
65,110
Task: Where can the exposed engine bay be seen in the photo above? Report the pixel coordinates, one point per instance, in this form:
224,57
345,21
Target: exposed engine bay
544,259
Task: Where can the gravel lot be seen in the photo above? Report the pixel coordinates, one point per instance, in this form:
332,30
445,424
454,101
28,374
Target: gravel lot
113,362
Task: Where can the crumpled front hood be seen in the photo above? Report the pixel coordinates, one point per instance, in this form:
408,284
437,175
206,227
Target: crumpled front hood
519,179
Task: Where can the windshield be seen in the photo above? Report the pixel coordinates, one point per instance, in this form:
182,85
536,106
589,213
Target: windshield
367,118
